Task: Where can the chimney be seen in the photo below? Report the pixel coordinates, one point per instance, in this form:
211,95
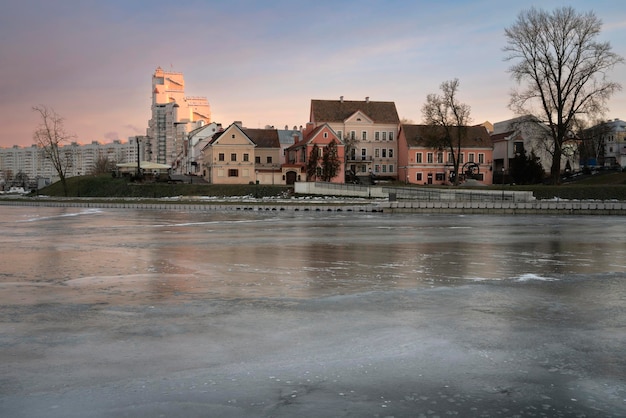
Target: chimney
341,99
296,137
238,123
367,99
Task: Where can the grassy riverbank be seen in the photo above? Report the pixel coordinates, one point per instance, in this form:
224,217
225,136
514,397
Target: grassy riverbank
608,186
108,187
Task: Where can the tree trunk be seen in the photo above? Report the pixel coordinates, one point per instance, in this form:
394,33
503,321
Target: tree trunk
555,169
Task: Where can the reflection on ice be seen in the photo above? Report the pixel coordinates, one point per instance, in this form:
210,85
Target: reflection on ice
142,313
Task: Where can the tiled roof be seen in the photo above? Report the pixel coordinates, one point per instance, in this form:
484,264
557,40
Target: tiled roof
501,136
340,110
477,136
263,138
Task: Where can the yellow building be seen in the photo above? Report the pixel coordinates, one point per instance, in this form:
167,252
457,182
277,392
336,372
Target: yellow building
239,155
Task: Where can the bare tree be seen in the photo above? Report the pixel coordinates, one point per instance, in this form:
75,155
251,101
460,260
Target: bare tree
330,161
563,68
50,135
102,166
448,119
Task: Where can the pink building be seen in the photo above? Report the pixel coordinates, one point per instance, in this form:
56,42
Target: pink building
420,163
298,156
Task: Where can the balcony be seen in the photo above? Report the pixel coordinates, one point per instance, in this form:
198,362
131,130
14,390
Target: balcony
352,159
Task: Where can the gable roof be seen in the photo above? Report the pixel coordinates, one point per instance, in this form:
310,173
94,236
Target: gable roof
308,138
219,134
263,138
340,110
477,136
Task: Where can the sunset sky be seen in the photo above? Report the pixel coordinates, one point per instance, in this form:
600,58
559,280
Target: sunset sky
260,62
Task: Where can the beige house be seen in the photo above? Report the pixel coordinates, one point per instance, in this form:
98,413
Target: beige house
369,130
239,155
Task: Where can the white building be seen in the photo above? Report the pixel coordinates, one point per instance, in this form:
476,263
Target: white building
31,162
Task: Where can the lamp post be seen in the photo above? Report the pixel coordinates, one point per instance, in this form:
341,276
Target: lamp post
138,159
502,183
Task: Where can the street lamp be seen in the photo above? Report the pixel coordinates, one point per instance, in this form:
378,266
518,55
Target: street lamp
138,159
502,183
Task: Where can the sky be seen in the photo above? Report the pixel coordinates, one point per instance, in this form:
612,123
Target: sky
260,62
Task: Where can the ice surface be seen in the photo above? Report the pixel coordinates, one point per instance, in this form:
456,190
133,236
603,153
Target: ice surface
141,313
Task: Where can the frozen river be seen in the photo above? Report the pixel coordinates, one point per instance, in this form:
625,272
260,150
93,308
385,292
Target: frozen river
113,313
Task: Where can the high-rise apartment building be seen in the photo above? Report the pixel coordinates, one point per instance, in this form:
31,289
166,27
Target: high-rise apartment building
173,116
30,163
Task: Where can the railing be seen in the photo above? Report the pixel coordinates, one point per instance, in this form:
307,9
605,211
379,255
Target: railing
427,194
432,194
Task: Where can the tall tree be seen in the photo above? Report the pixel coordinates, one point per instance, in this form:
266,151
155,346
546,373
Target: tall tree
50,135
330,161
448,119
562,67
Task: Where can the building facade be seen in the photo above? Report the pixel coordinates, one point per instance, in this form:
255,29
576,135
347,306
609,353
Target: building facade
173,116
30,163
300,154
369,130
420,163
614,139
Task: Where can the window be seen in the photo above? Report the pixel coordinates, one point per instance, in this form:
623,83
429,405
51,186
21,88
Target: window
418,157
376,136
352,135
418,176
390,152
481,158
384,136
364,135
269,160
450,158
391,136
363,154
246,157
220,156
257,160
384,153
439,176
340,134
429,158
233,172
461,158
363,168
470,157
233,157
325,134
376,168
391,168
376,152
384,168
440,158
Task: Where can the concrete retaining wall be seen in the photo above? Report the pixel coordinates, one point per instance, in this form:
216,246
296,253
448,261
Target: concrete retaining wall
402,206
517,208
